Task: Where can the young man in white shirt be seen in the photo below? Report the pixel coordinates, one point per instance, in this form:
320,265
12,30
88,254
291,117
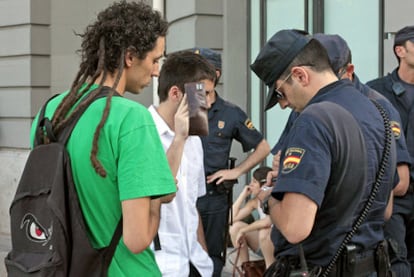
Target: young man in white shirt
183,249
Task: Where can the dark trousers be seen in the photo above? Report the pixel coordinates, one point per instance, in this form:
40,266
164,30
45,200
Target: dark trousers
194,272
399,231
213,210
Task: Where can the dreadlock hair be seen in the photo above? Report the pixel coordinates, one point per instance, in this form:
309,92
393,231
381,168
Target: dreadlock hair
123,26
183,67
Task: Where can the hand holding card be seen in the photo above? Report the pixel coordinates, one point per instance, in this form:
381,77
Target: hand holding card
197,105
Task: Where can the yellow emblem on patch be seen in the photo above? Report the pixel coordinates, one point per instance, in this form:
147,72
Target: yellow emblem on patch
396,129
249,124
293,156
221,124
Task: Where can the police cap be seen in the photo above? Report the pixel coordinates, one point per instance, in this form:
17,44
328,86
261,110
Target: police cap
210,55
337,49
275,56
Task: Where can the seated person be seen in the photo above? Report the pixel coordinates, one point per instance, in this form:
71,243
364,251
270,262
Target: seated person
254,236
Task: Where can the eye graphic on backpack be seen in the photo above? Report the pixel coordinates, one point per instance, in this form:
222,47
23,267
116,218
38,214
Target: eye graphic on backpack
34,230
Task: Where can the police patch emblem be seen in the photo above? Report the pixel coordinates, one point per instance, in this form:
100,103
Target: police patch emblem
293,156
396,129
249,124
221,124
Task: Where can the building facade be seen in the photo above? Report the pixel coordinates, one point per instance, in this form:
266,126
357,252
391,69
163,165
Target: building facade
38,56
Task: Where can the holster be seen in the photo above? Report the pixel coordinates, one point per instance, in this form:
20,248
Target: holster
382,260
226,186
280,268
287,266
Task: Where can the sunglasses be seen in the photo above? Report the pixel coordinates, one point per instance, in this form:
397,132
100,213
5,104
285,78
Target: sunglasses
280,95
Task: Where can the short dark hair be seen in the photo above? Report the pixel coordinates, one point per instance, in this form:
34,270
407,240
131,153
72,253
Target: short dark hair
314,55
183,67
260,174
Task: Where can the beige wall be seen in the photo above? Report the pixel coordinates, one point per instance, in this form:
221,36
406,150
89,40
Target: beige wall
24,66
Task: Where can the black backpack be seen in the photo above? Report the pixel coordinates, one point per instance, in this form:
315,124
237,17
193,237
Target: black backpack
48,231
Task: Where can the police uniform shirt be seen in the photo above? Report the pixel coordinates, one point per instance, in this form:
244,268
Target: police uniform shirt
327,166
226,122
403,156
400,95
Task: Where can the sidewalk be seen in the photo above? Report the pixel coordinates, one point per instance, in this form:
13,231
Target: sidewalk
4,249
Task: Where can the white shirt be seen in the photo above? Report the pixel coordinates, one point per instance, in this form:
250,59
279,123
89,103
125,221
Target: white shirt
179,218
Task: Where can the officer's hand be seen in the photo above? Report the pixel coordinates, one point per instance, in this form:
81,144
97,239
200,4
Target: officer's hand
182,118
223,175
271,178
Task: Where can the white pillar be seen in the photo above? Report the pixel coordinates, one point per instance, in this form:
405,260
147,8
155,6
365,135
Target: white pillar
159,6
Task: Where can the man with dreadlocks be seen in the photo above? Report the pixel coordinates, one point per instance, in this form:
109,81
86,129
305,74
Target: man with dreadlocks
118,163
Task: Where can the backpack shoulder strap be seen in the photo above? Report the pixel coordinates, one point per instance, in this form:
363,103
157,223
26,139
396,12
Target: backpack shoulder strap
67,131
110,251
39,134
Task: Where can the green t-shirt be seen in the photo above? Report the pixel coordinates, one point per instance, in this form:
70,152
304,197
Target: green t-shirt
130,150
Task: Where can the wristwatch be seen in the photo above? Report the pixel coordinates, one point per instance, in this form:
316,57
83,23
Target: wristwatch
265,204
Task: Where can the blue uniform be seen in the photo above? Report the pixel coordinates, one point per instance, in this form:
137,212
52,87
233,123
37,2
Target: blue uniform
329,144
403,156
226,123
400,228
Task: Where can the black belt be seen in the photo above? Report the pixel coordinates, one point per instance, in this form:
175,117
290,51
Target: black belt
212,189
361,264
223,188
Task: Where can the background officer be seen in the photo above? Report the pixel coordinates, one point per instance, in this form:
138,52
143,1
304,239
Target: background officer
398,87
227,122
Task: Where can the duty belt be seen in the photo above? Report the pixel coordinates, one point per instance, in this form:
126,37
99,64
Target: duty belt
354,264
212,189
351,263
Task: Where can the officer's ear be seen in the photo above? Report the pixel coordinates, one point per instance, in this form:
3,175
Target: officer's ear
300,74
349,71
218,73
399,51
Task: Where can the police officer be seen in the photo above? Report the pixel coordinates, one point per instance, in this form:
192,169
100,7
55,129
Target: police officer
340,58
398,88
329,160
227,122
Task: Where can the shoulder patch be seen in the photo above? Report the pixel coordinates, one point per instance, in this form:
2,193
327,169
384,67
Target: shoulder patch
249,124
293,156
396,129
